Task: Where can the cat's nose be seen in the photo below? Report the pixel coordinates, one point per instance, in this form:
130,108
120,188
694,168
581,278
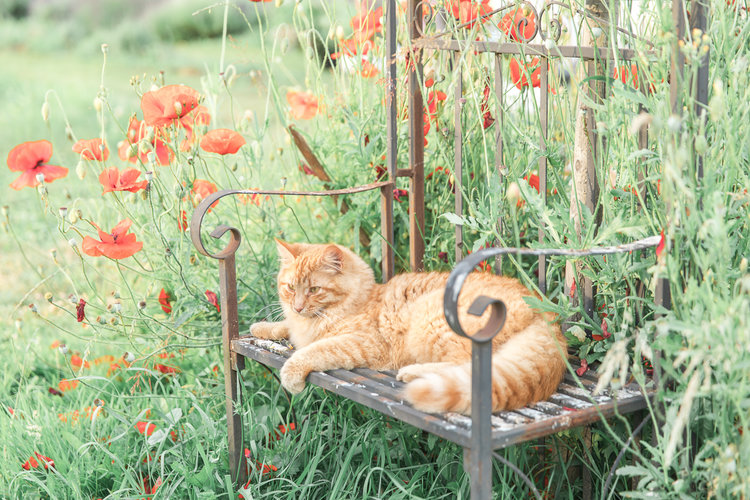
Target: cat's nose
299,308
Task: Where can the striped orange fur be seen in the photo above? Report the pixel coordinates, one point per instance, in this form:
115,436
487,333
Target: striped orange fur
337,316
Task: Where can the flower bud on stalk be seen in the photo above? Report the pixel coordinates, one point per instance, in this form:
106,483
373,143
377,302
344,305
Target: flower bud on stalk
513,193
63,349
69,132
128,357
45,111
63,212
81,170
48,296
98,103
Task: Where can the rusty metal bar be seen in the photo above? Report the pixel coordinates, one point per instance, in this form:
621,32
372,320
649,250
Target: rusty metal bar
699,20
543,119
232,364
479,455
586,53
416,140
499,127
458,152
391,154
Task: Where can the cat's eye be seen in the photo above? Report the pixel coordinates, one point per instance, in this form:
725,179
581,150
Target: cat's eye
314,289
290,287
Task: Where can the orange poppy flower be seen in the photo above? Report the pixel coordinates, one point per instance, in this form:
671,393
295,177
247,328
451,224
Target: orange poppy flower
512,24
201,190
519,77
304,104
368,70
92,149
433,98
368,21
31,158
222,141
198,117
67,385
137,131
112,180
119,244
166,369
162,107
467,11
77,362
353,46
624,73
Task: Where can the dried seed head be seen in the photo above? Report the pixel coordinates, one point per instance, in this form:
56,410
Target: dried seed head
98,403
142,305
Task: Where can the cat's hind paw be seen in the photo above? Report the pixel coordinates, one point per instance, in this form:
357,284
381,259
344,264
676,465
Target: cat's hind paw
410,372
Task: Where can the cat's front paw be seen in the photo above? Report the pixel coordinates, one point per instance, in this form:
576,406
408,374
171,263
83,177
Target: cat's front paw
293,376
263,330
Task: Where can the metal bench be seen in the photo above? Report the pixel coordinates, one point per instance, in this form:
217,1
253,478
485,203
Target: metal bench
574,404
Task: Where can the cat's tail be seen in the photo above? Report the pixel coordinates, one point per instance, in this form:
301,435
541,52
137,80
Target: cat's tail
526,368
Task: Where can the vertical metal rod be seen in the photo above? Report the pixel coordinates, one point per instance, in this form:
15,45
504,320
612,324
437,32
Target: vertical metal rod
458,157
543,119
499,163
480,453
678,60
386,194
698,19
232,364
416,141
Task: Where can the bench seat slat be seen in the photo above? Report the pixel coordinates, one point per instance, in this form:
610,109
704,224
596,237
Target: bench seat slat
571,406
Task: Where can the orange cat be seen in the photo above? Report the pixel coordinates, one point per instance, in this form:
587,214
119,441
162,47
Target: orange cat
337,316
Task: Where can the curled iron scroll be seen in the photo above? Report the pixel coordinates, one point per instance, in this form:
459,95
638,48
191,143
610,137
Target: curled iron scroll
462,270
205,205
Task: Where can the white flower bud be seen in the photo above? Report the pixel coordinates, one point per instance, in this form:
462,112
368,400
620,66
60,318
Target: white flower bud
178,108
340,32
129,357
45,111
39,178
81,170
279,3
513,193
98,104
116,307
105,48
63,349
549,44
596,32
743,265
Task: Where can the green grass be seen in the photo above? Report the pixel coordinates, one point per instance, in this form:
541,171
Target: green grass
340,449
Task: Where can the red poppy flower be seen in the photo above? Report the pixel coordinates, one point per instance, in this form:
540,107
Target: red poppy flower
583,368
222,141
368,21
660,247
533,181
32,463
398,193
77,362
467,11
487,119
80,312
353,46
433,98
164,298
66,385
107,358
119,244
137,131
145,428
519,77
92,149
201,189
368,70
625,73
55,392
162,107
511,22
31,158
213,299
304,105
198,117
112,180
166,369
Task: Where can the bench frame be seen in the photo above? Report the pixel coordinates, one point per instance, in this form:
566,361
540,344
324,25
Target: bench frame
477,435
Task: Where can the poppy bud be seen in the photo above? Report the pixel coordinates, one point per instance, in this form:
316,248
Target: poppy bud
701,145
116,307
19,324
513,193
42,189
129,357
101,320
45,111
98,104
53,254
72,299
81,170
596,32
283,182
74,216
255,147
98,402
549,44
142,305
105,48
279,3
116,294
69,132
340,32
63,349
4,210
284,45
743,265
234,167
309,53
48,297
40,178
114,321
149,175
178,108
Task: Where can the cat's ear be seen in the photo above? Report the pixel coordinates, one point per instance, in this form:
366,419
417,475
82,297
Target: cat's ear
333,258
287,251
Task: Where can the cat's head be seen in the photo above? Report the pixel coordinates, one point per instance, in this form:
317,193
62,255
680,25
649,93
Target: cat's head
318,281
